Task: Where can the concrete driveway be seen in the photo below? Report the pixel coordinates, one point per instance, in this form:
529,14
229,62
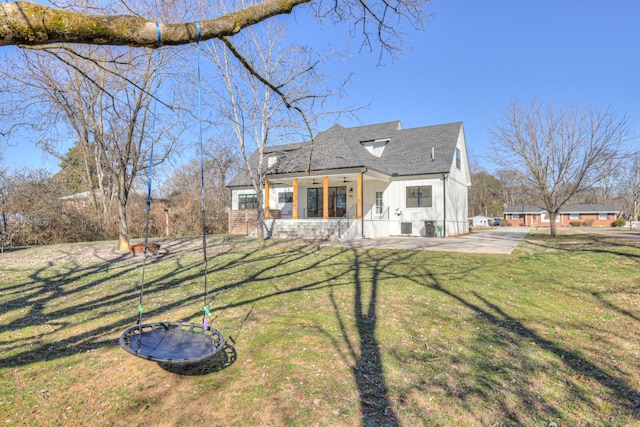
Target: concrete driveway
501,240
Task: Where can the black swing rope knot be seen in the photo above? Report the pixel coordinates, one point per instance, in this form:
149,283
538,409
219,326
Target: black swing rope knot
174,342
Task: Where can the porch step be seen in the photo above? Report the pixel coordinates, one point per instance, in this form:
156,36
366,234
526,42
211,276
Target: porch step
334,229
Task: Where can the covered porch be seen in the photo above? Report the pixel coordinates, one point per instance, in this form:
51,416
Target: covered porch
315,197
321,205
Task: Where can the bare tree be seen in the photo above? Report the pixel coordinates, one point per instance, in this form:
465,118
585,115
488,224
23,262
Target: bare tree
630,187
559,152
34,213
184,191
268,93
4,192
485,194
514,188
110,118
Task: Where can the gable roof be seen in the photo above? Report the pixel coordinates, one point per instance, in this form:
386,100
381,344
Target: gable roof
579,208
408,151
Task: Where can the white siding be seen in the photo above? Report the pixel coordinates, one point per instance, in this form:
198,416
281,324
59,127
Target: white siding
274,203
395,199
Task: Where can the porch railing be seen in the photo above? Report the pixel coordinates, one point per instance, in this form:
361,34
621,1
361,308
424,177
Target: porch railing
371,214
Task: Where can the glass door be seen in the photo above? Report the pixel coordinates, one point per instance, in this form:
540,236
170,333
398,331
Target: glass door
314,202
341,201
337,206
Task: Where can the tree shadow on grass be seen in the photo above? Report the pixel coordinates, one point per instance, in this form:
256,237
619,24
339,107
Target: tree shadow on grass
363,352
506,331
57,309
588,243
375,405
82,289
272,264
65,294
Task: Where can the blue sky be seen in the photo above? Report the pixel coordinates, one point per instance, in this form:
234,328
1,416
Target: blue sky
475,57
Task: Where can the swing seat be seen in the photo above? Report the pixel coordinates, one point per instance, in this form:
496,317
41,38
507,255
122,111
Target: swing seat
172,342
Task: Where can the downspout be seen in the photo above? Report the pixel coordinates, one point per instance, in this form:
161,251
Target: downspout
362,202
444,202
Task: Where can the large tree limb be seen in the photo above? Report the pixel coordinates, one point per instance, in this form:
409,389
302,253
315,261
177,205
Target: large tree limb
25,23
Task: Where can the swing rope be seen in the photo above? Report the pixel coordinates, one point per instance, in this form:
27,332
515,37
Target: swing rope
149,182
207,313
175,342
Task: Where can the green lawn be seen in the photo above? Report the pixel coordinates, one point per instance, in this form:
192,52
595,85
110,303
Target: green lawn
328,336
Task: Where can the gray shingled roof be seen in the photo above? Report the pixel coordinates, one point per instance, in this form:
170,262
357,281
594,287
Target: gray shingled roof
407,153
582,208
521,209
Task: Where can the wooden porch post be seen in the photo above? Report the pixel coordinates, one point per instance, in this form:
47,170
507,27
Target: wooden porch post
359,206
267,190
294,214
325,198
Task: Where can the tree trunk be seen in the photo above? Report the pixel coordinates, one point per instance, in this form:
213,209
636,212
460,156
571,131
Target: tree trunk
552,223
124,229
260,219
123,243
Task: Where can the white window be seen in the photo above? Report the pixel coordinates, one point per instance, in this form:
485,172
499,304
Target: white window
603,216
515,216
575,216
458,157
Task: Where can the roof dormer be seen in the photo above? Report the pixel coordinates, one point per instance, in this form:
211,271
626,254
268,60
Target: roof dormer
375,146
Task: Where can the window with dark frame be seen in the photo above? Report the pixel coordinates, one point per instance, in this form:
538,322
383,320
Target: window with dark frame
285,197
419,197
247,201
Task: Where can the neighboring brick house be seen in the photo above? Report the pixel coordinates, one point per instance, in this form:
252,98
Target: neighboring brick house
366,181
595,215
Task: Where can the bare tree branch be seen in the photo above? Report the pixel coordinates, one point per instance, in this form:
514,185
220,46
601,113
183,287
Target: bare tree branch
55,52
276,89
29,24
560,152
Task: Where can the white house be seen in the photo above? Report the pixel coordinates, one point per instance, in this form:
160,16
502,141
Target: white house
480,221
368,181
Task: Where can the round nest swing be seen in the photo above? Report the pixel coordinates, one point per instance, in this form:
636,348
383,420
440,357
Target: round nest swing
172,342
